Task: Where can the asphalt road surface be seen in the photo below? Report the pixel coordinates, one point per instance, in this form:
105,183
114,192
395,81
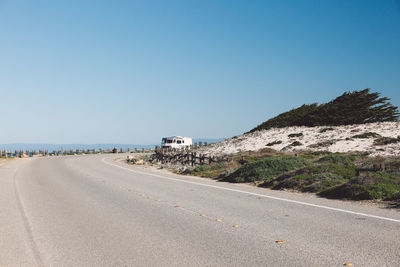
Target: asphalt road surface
98,211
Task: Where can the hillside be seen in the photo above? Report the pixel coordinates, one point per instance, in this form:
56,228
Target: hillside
367,166
358,121
377,139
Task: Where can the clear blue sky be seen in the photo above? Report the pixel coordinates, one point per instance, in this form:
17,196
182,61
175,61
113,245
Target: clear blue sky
133,71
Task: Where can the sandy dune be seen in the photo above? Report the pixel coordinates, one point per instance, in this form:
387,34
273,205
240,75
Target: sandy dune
336,139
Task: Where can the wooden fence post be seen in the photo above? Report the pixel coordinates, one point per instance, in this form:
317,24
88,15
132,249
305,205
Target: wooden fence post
382,166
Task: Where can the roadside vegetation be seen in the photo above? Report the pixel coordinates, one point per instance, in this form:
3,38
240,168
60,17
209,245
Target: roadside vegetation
331,175
265,169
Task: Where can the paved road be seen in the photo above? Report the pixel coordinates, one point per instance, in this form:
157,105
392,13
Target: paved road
97,211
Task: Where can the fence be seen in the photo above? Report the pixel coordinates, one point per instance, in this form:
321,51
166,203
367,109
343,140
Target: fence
183,156
31,153
377,167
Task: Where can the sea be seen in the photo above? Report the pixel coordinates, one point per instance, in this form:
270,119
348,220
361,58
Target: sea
57,147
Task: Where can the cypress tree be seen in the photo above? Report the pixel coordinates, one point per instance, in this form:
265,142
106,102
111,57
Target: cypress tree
355,107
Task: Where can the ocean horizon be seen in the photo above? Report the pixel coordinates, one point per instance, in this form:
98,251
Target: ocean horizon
51,147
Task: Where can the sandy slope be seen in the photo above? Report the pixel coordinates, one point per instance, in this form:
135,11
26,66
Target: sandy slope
340,139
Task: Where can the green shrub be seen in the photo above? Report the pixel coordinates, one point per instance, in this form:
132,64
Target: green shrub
265,169
346,191
341,159
295,135
324,176
378,185
395,196
274,143
345,171
315,177
386,187
305,180
296,143
212,171
386,141
322,144
323,130
313,154
366,135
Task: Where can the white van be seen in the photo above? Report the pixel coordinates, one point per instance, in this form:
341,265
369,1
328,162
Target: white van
176,142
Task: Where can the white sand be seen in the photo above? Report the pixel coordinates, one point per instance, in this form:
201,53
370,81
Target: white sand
312,136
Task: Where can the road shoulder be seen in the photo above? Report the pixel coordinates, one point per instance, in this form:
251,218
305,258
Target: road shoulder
358,208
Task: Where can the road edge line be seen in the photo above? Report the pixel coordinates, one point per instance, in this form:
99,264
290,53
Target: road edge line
256,194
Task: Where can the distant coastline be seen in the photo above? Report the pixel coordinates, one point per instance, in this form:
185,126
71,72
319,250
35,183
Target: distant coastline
51,147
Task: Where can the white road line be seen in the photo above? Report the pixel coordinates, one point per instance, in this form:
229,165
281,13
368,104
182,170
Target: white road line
256,194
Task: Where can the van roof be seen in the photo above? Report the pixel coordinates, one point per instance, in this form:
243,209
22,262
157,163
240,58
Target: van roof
177,136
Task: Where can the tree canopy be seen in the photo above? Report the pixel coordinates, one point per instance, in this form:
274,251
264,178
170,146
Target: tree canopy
355,107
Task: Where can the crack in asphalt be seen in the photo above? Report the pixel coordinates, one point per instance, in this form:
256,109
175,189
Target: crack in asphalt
27,223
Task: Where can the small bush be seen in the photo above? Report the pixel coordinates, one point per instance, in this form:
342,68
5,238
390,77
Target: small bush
341,159
313,154
274,143
295,135
266,151
214,170
366,135
386,141
346,191
346,171
317,176
323,130
322,144
265,169
306,180
323,176
320,181
296,143
378,185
